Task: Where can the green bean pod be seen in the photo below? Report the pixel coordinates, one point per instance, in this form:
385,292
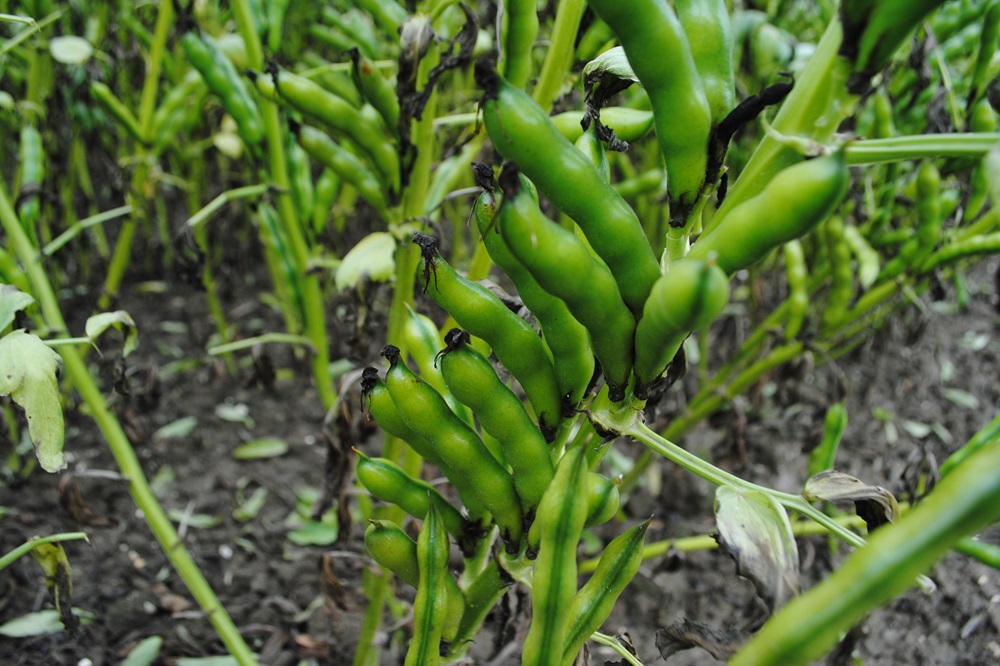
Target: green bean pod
594,602
838,298
660,55
396,552
31,159
393,549
919,246
430,607
475,383
523,133
375,89
326,190
603,498
352,170
628,124
171,113
464,458
963,502
563,265
300,175
689,297
566,338
796,274
221,77
338,115
797,199
423,342
593,149
710,36
518,30
483,315
560,519
867,257
390,483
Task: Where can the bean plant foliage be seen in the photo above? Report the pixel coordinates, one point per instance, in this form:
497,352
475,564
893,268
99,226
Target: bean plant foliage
540,216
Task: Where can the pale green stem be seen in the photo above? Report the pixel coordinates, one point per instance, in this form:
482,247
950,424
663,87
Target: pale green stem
560,54
266,338
85,223
612,642
216,204
31,544
879,151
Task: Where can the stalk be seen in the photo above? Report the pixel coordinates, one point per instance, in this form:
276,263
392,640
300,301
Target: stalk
560,54
312,294
894,149
118,443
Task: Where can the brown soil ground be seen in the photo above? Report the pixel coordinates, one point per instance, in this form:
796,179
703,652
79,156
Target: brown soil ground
297,602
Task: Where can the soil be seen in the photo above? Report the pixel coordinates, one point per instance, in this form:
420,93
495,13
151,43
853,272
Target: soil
304,602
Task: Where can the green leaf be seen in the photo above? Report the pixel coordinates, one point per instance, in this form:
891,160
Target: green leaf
239,413
70,49
374,258
754,529
28,371
874,504
118,319
961,398
916,429
202,521
252,506
314,534
823,456
182,427
40,623
145,653
12,301
264,447
208,661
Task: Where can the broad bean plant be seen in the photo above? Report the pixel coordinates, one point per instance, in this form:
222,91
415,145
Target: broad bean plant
625,169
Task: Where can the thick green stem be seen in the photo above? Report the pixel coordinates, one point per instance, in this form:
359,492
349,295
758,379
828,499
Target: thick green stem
312,294
118,443
560,53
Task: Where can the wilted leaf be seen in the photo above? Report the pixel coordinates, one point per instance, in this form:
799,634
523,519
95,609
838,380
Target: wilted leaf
28,375
754,530
372,258
118,319
264,447
145,653
70,49
12,301
613,62
874,504
687,634
58,579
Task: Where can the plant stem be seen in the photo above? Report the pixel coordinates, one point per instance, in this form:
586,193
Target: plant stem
31,544
560,53
120,446
897,148
312,294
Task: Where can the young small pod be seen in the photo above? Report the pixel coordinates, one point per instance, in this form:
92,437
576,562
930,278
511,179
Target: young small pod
560,520
596,599
430,607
